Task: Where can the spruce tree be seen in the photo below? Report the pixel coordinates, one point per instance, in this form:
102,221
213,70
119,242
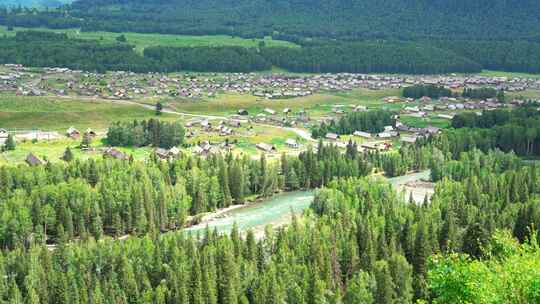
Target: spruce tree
10,145
385,286
68,155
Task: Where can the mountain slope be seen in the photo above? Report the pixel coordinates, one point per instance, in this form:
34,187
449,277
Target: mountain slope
366,19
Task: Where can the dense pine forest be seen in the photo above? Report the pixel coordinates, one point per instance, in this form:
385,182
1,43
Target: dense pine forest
44,49
359,242
369,19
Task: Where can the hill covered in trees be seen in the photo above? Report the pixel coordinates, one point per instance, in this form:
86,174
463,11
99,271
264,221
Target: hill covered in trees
343,19
412,36
47,49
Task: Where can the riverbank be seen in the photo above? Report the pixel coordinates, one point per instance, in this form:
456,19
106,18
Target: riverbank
275,211
416,185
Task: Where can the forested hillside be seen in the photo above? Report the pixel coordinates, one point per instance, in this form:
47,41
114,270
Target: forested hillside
367,19
412,36
46,49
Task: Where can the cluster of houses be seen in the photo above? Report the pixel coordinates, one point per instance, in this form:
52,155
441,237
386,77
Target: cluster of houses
127,85
206,148
272,117
73,133
382,141
223,127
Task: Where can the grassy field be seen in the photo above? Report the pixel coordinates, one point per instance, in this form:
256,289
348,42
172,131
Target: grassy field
54,149
527,94
58,115
424,122
142,41
508,74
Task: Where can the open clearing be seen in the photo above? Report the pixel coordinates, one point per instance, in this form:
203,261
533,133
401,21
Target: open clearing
57,115
142,41
490,73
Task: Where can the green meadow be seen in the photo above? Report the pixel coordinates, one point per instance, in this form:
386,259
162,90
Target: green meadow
142,41
59,114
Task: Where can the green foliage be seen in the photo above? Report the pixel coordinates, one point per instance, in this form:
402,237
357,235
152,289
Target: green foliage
508,276
432,91
218,59
147,132
369,57
411,36
372,121
121,38
516,131
159,108
9,145
68,155
480,93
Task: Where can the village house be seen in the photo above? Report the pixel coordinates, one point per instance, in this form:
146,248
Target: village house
224,131
193,122
162,153
266,147
174,151
408,139
391,99
234,123
198,150
270,111
371,146
362,134
338,109
445,116
114,153
33,160
90,133
384,135
332,136
429,108
419,114
291,143
360,108
205,124
411,109
73,133
167,154
433,130
205,149
3,136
